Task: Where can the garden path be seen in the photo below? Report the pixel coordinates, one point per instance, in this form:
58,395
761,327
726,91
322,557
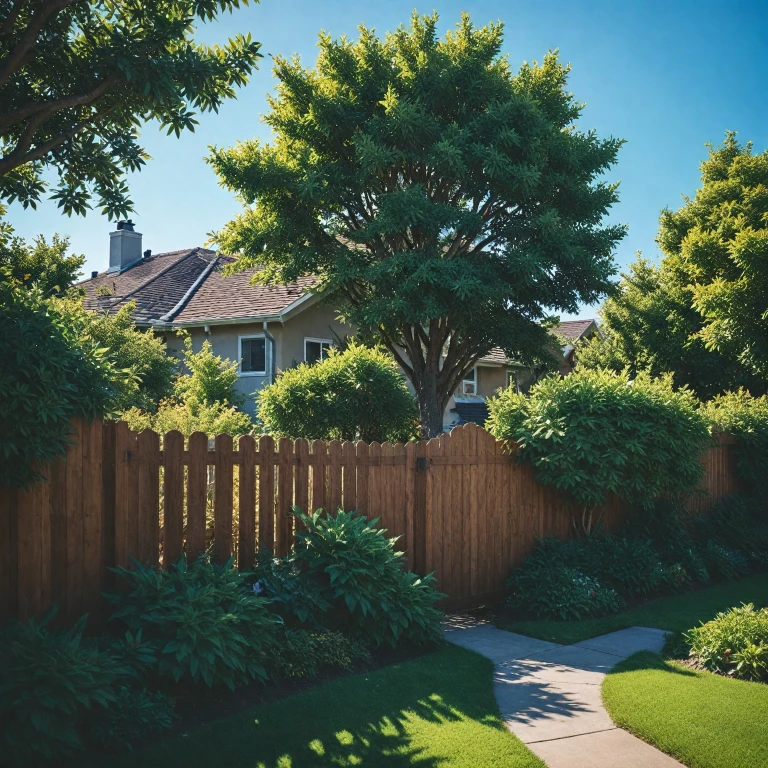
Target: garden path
549,695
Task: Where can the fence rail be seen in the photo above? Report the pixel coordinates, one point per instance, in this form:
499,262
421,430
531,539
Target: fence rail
460,504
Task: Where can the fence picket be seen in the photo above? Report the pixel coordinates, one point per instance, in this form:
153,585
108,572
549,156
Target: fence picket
283,517
222,499
197,494
318,475
266,493
173,497
246,550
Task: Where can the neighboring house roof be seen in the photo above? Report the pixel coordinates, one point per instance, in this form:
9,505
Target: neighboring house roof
187,287
473,412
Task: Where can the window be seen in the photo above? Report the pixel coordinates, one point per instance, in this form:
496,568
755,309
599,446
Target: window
469,385
316,349
253,356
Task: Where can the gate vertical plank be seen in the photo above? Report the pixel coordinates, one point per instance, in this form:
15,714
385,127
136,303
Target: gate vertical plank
432,506
283,517
468,512
374,480
197,494
173,508
409,479
223,499
74,465
107,504
361,473
58,493
387,510
148,508
456,442
334,476
30,501
318,476
349,481
246,550
7,544
266,493
401,500
420,509
92,514
301,477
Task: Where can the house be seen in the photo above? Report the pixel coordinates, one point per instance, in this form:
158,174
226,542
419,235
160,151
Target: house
265,328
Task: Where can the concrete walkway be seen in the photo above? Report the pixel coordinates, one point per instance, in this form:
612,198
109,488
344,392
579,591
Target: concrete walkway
549,695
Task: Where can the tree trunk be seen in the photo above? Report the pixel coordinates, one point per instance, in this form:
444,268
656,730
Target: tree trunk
430,405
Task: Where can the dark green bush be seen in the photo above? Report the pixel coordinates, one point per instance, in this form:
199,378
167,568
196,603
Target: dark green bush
132,715
631,566
357,394
737,522
361,576
734,643
51,370
51,683
725,562
205,621
596,432
550,589
304,654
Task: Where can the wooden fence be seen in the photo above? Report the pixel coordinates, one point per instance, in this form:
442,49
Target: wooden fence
461,505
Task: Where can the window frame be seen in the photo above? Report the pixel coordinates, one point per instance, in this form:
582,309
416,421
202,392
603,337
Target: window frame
249,337
472,382
319,341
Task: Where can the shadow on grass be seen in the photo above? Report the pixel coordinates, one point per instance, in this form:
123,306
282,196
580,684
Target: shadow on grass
645,660
428,712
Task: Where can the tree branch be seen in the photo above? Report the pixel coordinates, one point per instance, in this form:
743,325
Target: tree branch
10,20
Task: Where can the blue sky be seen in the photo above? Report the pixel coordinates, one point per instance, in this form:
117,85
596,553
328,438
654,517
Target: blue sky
665,76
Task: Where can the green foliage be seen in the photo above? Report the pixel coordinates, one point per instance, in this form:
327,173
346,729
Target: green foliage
361,577
734,643
549,587
596,432
206,624
357,394
77,79
134,714
444,202
44,265
720,236
141,353
51,370
739,523
211,378
649,324
305,654
214,419
723,561
49,682
745,417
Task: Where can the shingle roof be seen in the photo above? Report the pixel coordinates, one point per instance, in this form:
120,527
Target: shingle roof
572,330
157,283
233,297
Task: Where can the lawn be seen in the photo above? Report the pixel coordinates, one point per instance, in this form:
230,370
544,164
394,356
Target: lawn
705,720
676,613
436,710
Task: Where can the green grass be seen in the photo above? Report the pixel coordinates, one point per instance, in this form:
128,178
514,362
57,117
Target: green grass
676,614
704,720
434,711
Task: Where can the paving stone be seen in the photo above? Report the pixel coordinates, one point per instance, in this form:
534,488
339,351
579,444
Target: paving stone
545,671
625,642
577,658
614,748
496,644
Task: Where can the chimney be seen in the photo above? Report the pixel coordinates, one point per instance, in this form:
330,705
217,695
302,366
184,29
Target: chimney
124,246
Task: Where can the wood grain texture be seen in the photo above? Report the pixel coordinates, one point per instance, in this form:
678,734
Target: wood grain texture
246,549
223,499
197,495
173,499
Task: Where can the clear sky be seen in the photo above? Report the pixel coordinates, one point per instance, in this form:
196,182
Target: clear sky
666,76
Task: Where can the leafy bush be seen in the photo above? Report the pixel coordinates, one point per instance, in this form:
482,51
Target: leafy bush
631,566
132,715
214,419
551,589
596,432
49,682
211,379
733,643
728,563
51,370
304,654
358,393
40,264
361,577
738,523
206,623
746,418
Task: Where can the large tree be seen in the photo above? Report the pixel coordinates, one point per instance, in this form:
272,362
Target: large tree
650,324
445,203
721,237
77,78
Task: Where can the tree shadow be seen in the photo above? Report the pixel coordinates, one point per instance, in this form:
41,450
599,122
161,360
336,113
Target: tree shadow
647,660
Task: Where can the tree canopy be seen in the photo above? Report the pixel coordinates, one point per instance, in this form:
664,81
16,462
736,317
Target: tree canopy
446,204
77,77
45,265
721,237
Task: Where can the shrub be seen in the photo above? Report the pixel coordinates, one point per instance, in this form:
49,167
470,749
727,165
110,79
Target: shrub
206,623
361,577
596,432
746,418
631,566
728,563
132,715
552,590
211,379
214,419
738,523
49,682
355,394
304,654
51,370
733,643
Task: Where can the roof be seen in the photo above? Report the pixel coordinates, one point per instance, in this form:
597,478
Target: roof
186,287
